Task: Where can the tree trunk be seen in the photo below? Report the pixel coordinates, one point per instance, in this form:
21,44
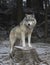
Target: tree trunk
20,13
29,3
46,23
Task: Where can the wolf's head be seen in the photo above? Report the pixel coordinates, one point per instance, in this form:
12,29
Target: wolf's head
29,21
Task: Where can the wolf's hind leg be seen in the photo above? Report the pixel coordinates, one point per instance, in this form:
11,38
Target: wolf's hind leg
12,42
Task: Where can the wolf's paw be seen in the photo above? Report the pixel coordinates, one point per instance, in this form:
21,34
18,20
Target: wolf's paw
30,45
10,55
24,45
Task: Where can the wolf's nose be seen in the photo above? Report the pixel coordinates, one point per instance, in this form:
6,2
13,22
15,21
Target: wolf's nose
28,24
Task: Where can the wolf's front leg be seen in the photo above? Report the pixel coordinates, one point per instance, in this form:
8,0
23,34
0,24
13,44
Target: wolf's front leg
29,40
23,39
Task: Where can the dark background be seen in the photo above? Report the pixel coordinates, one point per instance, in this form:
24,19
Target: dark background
13,11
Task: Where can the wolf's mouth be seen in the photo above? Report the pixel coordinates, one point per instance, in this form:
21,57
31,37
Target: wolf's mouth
29,27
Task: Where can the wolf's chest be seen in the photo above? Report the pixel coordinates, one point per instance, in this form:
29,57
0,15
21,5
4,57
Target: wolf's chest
21,30
25,30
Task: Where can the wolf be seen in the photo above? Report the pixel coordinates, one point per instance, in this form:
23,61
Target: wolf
22,31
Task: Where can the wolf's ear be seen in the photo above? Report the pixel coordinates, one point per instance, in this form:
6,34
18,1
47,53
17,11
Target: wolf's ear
33,15
26,14
21,23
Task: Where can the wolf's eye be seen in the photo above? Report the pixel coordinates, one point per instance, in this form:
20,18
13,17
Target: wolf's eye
33,19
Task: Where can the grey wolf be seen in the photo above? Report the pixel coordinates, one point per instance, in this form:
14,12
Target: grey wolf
22,31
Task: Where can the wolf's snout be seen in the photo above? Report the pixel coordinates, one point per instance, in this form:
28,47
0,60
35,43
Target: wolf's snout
28,24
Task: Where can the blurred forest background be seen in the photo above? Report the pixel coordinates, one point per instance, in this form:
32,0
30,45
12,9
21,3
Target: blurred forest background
13,11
